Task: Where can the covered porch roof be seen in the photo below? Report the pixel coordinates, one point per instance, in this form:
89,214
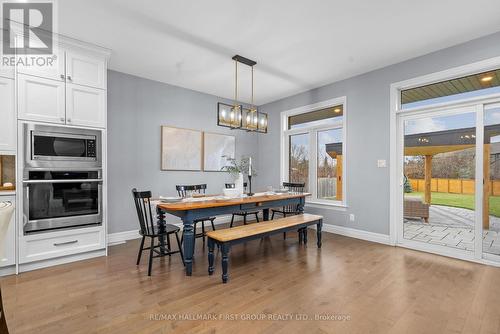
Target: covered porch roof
432,143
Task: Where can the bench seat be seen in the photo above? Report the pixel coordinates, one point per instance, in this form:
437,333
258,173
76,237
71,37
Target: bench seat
227,237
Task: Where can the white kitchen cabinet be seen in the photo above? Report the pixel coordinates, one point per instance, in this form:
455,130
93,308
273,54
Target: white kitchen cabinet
45,246
7,71
8,257
84,69
85,106
7,116
41,99
51,69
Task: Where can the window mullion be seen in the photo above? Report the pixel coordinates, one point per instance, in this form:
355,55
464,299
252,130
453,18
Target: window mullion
313,161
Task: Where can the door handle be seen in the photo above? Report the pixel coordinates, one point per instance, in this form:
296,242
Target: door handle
65,243
69,78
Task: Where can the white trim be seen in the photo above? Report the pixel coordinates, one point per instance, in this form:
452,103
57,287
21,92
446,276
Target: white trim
121,237
313,133
357,234
395,151
394,103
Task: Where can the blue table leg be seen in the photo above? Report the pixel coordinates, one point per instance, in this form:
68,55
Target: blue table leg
188,235
265,214
319,226
304,235
161,227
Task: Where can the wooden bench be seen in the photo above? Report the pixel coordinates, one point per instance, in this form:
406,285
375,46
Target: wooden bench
227,237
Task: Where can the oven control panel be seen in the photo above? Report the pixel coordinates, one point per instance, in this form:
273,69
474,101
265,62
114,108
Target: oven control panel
91,148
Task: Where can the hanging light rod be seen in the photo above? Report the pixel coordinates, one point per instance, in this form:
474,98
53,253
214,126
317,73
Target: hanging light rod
243,60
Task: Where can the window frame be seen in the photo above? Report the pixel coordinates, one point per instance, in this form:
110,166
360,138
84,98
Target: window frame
285,134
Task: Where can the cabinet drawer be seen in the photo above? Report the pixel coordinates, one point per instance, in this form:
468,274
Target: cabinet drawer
46,246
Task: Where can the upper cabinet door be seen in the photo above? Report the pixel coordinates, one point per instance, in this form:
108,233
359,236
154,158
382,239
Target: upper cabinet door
85,106
50,69
84,69
40,99
7,115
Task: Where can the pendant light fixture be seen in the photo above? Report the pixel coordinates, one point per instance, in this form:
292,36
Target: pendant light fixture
235,116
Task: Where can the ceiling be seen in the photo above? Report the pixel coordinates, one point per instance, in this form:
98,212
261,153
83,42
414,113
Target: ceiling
298,45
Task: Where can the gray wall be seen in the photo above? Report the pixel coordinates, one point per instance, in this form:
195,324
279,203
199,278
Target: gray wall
367,130
136,109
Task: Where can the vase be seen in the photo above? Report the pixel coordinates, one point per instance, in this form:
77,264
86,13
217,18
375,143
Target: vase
238,183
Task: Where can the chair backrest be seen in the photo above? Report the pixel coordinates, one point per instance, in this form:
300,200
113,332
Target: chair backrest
142,200
185,190
295,187
232,185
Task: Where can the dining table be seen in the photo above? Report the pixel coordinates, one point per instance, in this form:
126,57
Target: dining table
191,209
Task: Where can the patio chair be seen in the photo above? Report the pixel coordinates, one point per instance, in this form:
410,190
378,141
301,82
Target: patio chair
413,207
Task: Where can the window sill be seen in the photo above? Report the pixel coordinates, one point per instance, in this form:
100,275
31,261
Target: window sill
326,205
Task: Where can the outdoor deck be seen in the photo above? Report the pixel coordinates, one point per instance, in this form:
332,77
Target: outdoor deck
453,227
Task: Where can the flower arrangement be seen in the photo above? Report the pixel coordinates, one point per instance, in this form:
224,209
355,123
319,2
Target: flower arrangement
235,167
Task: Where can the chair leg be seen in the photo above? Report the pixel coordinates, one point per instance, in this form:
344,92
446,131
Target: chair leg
257,217
203,231
272,216
168,245
140,250
213,226
151,256
180,247
232,221
245,219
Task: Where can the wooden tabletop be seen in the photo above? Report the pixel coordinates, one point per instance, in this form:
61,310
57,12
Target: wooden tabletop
214,203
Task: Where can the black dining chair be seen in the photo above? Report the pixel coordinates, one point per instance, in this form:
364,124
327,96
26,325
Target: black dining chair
289,210
150,229
243,214
187,190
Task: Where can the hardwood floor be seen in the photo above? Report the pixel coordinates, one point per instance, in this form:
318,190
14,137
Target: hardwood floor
378,289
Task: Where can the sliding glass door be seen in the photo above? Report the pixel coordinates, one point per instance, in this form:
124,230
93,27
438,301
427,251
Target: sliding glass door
438,192
490,224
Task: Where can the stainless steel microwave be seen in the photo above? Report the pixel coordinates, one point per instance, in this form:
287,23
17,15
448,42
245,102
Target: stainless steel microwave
62,147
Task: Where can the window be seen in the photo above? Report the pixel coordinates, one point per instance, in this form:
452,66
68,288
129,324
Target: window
313,149
479,84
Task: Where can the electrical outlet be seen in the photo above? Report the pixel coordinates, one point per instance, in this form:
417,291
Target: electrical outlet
351,217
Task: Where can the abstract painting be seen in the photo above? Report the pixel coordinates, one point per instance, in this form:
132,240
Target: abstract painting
181,149
216,147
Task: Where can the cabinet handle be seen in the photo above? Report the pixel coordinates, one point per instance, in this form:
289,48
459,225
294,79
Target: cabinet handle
62,119
62,76
69,120
65,243
69,78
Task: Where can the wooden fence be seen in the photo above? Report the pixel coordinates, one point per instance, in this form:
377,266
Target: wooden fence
453,186
326,187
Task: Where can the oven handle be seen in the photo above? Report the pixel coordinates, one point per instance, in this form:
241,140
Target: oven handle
62,181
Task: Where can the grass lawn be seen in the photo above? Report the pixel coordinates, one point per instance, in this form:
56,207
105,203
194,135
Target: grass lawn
460,201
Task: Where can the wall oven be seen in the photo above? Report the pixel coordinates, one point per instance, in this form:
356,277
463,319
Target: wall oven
55,199
61,147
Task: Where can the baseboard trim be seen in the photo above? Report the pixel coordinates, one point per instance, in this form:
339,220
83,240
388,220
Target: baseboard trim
122,237
358,234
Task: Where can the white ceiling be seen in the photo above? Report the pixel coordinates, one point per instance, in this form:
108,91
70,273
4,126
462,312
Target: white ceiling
298,44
